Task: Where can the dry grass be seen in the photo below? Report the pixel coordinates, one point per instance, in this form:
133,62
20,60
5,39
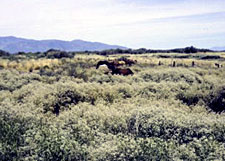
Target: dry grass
28,65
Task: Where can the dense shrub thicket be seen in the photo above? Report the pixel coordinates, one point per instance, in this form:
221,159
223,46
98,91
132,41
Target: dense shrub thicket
71,111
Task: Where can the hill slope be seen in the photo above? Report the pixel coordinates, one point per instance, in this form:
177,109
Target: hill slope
14,44
219,48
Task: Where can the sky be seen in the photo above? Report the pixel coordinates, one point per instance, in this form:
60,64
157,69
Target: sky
154,24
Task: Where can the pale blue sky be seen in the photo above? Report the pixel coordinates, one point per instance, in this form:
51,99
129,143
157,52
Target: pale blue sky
132,23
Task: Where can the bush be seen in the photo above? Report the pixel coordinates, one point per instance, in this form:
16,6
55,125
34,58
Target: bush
161,123
48,143
172,75
12,79
57,54
68,110
216,100
12,130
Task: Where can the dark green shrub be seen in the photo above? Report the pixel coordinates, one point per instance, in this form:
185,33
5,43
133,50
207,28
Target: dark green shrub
189,98
155,149
60,100
202,149
65,99
216,100
12,130
190,50
211,96
211,57
57,54
4,53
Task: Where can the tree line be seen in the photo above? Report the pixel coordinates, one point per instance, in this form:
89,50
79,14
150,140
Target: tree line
54,53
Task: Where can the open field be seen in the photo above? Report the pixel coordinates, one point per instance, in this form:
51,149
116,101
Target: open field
66,109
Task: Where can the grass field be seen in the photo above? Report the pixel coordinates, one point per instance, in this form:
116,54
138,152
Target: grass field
66,109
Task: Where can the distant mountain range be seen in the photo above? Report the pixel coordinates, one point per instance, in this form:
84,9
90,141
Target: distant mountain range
13,45
218,48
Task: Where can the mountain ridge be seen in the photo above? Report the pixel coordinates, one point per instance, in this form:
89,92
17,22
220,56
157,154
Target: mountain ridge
14,44
218,48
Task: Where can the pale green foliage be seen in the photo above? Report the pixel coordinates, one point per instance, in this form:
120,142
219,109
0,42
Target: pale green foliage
74,112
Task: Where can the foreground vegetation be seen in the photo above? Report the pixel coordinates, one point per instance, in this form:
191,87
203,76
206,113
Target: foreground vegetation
62,108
